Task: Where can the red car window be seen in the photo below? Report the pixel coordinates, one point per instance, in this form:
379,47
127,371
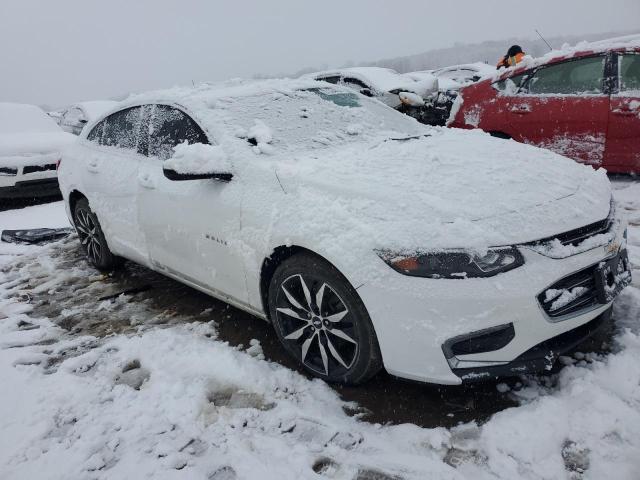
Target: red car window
577,77
630,73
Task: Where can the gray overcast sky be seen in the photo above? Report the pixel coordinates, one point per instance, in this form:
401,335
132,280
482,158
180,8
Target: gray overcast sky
60,51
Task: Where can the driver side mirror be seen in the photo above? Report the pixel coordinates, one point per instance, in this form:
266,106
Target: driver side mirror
366,92
197,161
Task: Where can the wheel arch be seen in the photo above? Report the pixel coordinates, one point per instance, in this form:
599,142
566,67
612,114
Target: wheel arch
270,263
74,197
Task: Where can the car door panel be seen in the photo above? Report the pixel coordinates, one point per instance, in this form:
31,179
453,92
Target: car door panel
623,135
110,169
563,107
190,226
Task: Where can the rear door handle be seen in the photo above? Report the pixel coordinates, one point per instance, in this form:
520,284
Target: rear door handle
521,109
146,181
93,166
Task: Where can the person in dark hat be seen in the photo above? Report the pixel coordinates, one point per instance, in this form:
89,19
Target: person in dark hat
512,58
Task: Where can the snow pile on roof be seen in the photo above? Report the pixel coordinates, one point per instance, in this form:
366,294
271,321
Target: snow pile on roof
96,108
629,42
198,158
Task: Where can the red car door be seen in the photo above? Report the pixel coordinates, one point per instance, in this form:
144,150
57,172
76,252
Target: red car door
563,107
622,154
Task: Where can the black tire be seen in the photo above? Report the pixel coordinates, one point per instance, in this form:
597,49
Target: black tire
351,356
92,238
502,135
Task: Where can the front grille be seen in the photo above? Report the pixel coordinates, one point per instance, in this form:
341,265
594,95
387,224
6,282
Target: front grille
571,294
8,171
574,237
38,168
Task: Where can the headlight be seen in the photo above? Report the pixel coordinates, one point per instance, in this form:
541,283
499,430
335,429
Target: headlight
454,263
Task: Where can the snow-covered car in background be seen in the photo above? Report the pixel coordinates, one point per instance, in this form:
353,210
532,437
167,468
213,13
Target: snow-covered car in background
74,118
582,102
456,76
30,147
366,238
450,81
405,94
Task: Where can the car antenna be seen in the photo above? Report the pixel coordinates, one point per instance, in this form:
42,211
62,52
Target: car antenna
540,35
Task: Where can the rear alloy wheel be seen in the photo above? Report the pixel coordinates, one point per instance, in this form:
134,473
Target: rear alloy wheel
92,239
321,321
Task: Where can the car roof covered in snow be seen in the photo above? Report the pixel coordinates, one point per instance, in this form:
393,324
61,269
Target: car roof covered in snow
95,108
625,43
382,79
479,67
208,93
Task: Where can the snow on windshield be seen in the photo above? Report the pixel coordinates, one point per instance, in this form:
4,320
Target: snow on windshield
319,117
23,118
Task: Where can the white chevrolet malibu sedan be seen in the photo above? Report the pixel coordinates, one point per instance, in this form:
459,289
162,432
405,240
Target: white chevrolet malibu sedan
367,239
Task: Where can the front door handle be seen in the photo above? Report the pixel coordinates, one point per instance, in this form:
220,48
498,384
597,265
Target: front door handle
521,109
625,112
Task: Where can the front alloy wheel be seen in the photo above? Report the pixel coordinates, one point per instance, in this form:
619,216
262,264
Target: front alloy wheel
321,321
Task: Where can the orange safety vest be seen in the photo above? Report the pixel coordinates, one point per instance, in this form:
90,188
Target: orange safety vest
511,61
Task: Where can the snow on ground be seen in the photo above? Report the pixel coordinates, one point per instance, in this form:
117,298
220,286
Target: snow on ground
169,400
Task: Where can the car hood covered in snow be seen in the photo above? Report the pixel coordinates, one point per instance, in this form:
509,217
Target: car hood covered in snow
451,189
33,143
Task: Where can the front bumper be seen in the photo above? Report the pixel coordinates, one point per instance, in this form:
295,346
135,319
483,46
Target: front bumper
539,358
44,187
29,176
416,318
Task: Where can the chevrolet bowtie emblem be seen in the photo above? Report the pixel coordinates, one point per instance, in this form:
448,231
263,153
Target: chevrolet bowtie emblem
613,247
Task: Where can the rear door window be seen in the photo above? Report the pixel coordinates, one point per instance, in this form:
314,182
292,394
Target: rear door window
573,77
629,74
169,127
121,129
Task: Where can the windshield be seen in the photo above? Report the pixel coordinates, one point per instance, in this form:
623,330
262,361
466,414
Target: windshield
22,118
321,117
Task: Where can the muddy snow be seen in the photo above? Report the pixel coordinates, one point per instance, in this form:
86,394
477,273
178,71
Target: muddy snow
134,376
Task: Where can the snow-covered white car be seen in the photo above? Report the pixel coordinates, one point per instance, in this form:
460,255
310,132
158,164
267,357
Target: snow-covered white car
30,147
455,77
398,91
74,118
365,237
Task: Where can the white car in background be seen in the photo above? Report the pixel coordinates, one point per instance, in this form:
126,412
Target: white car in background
74,118
455,77
30,147
387,85
450,80
363,236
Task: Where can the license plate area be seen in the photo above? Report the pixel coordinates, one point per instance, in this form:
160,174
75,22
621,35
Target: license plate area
612,276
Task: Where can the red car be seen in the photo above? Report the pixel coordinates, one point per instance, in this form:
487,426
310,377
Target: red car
584,104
